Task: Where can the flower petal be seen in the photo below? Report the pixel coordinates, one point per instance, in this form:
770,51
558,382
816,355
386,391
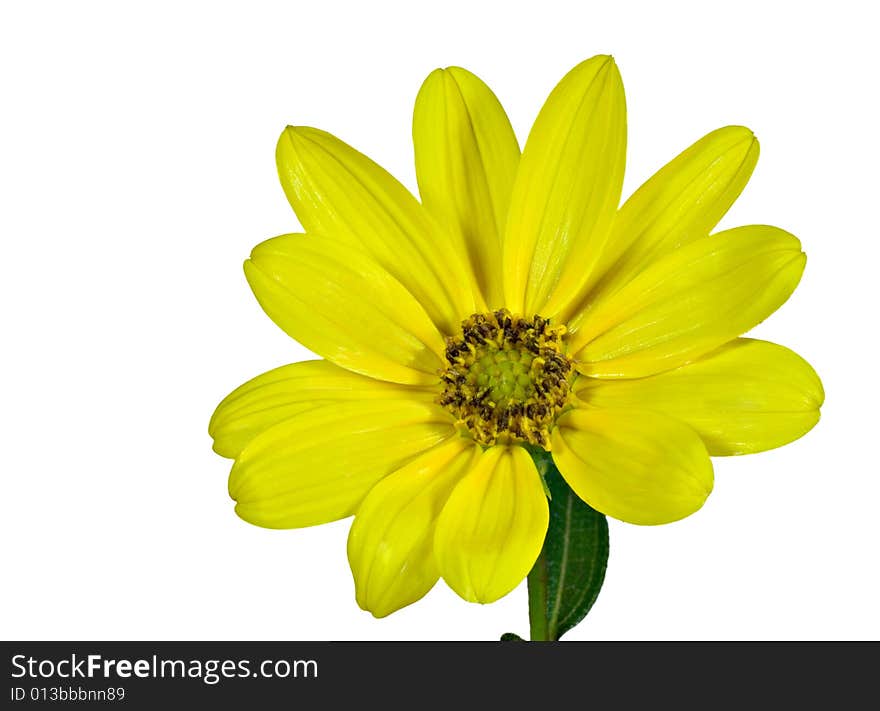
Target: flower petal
288,391
391,543
683,201
747,396
637,466
689,303
466,159
567,190
340,304
318,466
492,528
337,191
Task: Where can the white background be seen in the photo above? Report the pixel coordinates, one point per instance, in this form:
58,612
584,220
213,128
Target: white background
136,173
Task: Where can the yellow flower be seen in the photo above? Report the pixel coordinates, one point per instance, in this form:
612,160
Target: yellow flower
516,307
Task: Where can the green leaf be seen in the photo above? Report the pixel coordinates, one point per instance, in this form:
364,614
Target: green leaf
568,574
511,637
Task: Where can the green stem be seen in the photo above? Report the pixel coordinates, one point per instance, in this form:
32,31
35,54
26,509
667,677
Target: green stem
539,629
539,625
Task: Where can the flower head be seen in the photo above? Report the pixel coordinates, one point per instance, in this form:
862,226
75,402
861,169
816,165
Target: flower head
516,307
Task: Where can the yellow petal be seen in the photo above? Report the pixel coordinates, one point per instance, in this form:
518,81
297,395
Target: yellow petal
339,192
466,159
288,391
634,465
683,201
340,304
390,546
318,466
689,303
747,396
492,528
567,190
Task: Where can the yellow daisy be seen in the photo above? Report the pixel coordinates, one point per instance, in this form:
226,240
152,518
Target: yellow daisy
517,308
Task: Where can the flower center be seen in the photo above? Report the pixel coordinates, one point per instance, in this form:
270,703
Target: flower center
506,377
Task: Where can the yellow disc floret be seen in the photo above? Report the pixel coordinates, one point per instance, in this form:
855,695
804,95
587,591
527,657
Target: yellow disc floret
506,377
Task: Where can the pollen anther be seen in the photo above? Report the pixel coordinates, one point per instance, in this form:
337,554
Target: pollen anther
506,377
